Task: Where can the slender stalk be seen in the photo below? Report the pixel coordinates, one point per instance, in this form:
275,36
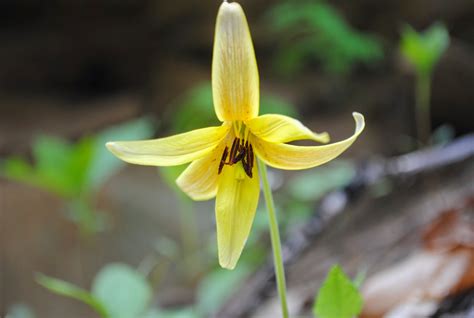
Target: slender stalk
423,114
275,237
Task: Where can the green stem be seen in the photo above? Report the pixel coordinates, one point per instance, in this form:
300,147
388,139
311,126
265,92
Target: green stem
275,237
423,116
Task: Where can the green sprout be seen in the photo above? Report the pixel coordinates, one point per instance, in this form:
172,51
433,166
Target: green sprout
74,171
118,291
314,29
338,296
423,51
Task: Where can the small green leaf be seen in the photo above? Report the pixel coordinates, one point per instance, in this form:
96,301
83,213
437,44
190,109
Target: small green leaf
315,29
424,49
124,292
64,288
60,167
18,169
338,297
218,286
312,185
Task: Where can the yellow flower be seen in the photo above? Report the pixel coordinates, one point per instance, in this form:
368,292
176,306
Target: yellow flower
223,163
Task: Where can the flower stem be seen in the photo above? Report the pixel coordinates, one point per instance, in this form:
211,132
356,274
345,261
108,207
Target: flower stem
275,237
422,94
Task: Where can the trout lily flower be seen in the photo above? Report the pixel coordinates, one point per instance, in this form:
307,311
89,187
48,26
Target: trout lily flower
223,159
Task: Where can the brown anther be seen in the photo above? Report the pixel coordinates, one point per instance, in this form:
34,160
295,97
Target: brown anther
223,158
233,149
241,150
240,155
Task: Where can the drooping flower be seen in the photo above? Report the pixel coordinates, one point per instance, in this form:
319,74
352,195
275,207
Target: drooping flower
223,158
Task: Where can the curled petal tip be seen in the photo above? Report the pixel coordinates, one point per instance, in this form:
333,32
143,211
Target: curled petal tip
324,137
292,157
115,149
111,146
360,121
357,114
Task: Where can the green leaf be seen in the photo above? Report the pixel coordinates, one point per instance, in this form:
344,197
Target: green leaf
104,164
423,50
124,292
218,286
18,169
443,135
312,185
61,167
315,29
71,170
63,288
338,297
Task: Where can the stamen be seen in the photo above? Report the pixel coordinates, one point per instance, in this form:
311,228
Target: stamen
246,133
239,123
233,150
240,155
247,168
223,158
241,150
236,127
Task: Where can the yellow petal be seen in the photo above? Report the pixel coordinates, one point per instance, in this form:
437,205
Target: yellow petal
170,151
236,203
235,82
292,157
281,129
199,180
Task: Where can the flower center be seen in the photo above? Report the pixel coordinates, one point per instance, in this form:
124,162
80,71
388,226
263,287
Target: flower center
241,151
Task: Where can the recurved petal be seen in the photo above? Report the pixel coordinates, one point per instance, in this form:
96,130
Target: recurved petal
281,129
236,203
170,151
235,82
292,157
199,180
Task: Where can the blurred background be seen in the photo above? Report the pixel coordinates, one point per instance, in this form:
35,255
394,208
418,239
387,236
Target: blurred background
75,74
